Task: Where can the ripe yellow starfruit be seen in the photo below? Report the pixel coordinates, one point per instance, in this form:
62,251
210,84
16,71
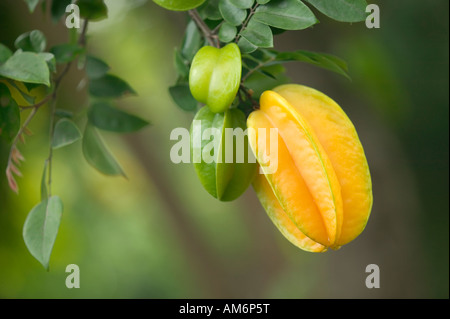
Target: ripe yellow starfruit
320,196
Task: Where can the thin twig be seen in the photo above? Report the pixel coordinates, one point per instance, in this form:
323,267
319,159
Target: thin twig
244,25
37,105
256,68
82,43
207,33
34,108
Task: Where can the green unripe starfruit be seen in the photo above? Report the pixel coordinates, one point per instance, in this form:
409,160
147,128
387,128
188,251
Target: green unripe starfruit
179,5
215,76
220,152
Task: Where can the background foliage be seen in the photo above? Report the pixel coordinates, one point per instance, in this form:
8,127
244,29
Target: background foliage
159,234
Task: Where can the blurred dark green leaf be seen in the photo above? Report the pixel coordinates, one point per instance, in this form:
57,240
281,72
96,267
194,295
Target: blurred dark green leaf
32,4
109,86
94,10
66,133
260,81
58,9
41,228
232,14
44,192
105,117
285,14
33,41
66,52
322,60
180,64
97,154
50,59
192,41
9,115
342,10
30,99
95,67
181,95
63,113
26,67
5,53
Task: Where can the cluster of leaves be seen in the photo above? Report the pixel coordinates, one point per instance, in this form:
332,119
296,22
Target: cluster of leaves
31,75
252,24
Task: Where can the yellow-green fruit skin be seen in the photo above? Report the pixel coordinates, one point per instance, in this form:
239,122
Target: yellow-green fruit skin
179,5
215,76
225,177
313,131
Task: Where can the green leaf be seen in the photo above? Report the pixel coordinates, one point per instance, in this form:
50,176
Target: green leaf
9,115
258,34
5,53
232,14
227,32
26,67
322,60
32,4
30,99
285,14
210,10
181,95
246,46
33,41
50,59
97,154
66,52
63,113
44,193
342,10
243,4
262,1
66,133
109,86
105,117
260,82
41,228
192,41
58,9
94,10
95,68
180,64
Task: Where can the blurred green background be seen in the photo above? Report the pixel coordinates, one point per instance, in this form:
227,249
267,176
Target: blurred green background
160,235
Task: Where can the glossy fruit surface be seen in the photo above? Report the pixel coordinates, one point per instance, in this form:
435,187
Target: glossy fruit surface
179,5
224,171
215,76
323,182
